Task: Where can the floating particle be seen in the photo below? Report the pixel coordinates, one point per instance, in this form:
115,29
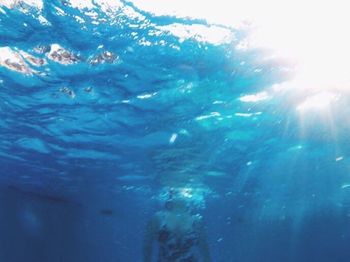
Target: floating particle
345,186
172,138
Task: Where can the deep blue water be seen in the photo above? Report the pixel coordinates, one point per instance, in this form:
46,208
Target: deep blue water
103,109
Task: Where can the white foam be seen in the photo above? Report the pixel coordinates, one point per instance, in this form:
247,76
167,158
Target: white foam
206,34
82,4
38,4
13,61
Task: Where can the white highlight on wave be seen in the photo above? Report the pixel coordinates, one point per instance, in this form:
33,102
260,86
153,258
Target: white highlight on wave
12,60
312,34
13,3
201,33
318,101
207,34
254,97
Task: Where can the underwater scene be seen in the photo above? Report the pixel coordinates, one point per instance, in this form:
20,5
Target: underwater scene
174,131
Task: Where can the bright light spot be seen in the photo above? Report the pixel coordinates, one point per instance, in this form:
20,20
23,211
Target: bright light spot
186,192
108,5
248,114
183,132
6,53
298,147
309,33
244,114
14,3
218,102
254,98
43,20
146,96
318,102
201,33
13,60
345,186
218,11
79,19
172,138
81,4
339,158
212,114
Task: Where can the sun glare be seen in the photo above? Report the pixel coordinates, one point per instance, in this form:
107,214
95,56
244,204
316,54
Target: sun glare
309,33
318,102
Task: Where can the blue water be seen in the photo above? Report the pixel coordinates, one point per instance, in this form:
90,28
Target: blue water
108,108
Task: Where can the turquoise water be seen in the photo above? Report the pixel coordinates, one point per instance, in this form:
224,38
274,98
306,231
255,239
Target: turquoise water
103,108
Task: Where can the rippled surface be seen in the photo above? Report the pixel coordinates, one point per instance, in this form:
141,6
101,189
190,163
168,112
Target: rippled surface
103,96
106,87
